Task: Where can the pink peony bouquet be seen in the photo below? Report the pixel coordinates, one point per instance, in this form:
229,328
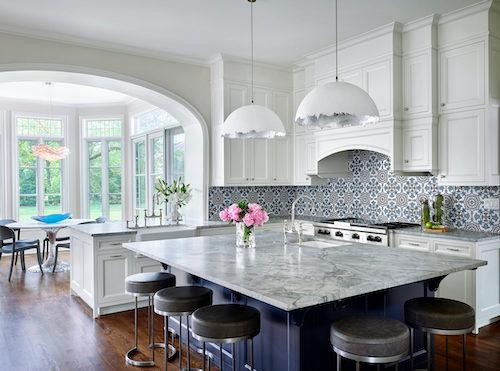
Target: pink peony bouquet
251,214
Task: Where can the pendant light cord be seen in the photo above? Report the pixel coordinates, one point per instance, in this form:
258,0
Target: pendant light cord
336,43
251,40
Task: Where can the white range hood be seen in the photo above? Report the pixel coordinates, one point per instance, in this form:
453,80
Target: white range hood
333,146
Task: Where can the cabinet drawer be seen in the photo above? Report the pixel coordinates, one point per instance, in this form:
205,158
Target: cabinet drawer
453,247
112,244
413,243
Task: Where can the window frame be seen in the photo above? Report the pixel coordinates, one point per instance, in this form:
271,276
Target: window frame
39,164
167,133
104,140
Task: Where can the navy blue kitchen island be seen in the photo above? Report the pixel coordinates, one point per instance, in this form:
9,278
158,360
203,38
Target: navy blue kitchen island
301,290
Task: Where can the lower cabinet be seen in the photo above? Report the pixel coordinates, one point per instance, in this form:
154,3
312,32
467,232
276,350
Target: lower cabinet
479,288
112,269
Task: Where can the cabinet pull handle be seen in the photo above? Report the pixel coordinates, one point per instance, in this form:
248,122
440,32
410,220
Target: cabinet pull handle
407,109
275,179
116,243
443,176
253,178
443,104
407,161
116,256
413,244
452,249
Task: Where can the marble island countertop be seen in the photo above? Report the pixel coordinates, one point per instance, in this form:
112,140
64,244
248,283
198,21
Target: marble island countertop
290,277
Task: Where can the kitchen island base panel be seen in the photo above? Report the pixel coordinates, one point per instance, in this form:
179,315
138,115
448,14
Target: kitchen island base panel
299,340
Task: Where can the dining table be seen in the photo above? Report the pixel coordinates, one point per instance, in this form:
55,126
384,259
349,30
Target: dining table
51,230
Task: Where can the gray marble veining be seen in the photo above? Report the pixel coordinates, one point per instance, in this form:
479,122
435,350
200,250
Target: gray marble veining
457,234
291,277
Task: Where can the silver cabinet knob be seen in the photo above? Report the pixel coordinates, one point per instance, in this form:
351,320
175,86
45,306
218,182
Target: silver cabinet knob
407,161
443,104
253,178
248,179
407,109
275,179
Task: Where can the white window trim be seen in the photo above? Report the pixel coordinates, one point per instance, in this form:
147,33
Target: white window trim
84,164
167,172
15,159
3,165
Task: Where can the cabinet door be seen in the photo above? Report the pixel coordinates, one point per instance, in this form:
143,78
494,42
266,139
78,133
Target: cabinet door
300,160
417,149
112,269
461,143
462,80
282,108
377,82
236,161
259,161
416,89
281,160
236,96
353,77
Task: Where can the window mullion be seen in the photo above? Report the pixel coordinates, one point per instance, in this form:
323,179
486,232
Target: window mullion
105,179
40,182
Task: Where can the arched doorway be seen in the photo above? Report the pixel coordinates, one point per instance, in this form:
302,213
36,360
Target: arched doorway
194,125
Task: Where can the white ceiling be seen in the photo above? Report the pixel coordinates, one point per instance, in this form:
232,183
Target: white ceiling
62,93
285,30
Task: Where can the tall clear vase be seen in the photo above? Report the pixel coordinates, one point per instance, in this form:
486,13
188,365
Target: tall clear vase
245,236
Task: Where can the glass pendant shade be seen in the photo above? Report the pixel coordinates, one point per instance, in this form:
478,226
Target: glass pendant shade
252,121
336,104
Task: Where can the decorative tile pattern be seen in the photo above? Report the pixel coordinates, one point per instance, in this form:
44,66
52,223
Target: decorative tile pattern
373,193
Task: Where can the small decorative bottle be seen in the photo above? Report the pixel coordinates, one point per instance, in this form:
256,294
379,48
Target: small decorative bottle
426,213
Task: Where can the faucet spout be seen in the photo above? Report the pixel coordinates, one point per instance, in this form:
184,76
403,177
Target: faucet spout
294,204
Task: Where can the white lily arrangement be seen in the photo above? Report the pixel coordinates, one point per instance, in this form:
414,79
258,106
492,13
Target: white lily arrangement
178,193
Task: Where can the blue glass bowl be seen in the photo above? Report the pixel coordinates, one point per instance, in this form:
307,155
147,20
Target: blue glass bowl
52,218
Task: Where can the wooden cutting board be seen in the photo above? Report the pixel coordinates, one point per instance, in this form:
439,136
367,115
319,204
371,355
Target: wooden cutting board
437,230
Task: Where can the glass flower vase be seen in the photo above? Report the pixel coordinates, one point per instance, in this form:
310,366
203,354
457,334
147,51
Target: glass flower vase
245,236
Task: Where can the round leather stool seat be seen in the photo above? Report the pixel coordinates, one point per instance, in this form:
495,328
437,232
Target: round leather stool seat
226,321
370,336
182,299
439,313
148,283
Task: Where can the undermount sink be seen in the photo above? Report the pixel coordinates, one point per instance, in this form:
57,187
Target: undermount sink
323,244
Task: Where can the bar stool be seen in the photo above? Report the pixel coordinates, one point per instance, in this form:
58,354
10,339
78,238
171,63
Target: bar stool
227,324
178,302
441,317
369,339
140,285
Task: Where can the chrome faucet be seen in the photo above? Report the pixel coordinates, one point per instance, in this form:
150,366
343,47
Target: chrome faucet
293,226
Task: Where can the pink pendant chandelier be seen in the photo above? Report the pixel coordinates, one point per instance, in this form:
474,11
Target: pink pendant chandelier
46,152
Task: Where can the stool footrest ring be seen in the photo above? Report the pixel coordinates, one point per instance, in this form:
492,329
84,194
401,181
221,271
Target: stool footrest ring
172,351
129,359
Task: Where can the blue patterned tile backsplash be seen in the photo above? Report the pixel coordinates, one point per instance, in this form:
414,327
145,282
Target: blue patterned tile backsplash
372,193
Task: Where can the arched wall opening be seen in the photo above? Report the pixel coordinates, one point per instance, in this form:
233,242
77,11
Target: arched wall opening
195,128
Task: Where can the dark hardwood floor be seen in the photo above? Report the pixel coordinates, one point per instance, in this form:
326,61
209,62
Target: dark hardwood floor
42,327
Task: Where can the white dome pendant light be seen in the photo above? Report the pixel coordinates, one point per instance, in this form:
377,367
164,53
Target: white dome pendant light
336,104
253,120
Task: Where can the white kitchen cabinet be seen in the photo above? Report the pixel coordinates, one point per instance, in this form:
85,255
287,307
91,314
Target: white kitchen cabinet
112,269
144,264
462,148
462,77
236,161
281,153
377,80
417,84
420,145
305,159
479,288
259,161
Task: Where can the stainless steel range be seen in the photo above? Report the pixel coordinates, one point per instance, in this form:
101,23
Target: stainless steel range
358,230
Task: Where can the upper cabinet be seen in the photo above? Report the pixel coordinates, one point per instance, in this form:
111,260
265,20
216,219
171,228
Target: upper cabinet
243,162
417,82
462,77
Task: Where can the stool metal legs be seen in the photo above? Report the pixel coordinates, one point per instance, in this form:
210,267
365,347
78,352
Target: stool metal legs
135,350
165,338
464,352
429,362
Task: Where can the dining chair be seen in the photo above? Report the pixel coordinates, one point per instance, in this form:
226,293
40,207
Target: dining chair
67,245
4,222
15,247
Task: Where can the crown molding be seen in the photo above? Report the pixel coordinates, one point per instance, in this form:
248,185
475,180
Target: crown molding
223,57
100,45
393,27
467,11
429,20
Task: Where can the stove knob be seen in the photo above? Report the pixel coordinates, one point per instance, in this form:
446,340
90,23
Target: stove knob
377,239
370,238
339,234
355,236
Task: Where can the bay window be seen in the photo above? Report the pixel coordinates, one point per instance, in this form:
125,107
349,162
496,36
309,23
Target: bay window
40,182
102,195
158,153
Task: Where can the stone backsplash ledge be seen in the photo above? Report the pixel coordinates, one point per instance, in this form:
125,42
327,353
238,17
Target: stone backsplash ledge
372,192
